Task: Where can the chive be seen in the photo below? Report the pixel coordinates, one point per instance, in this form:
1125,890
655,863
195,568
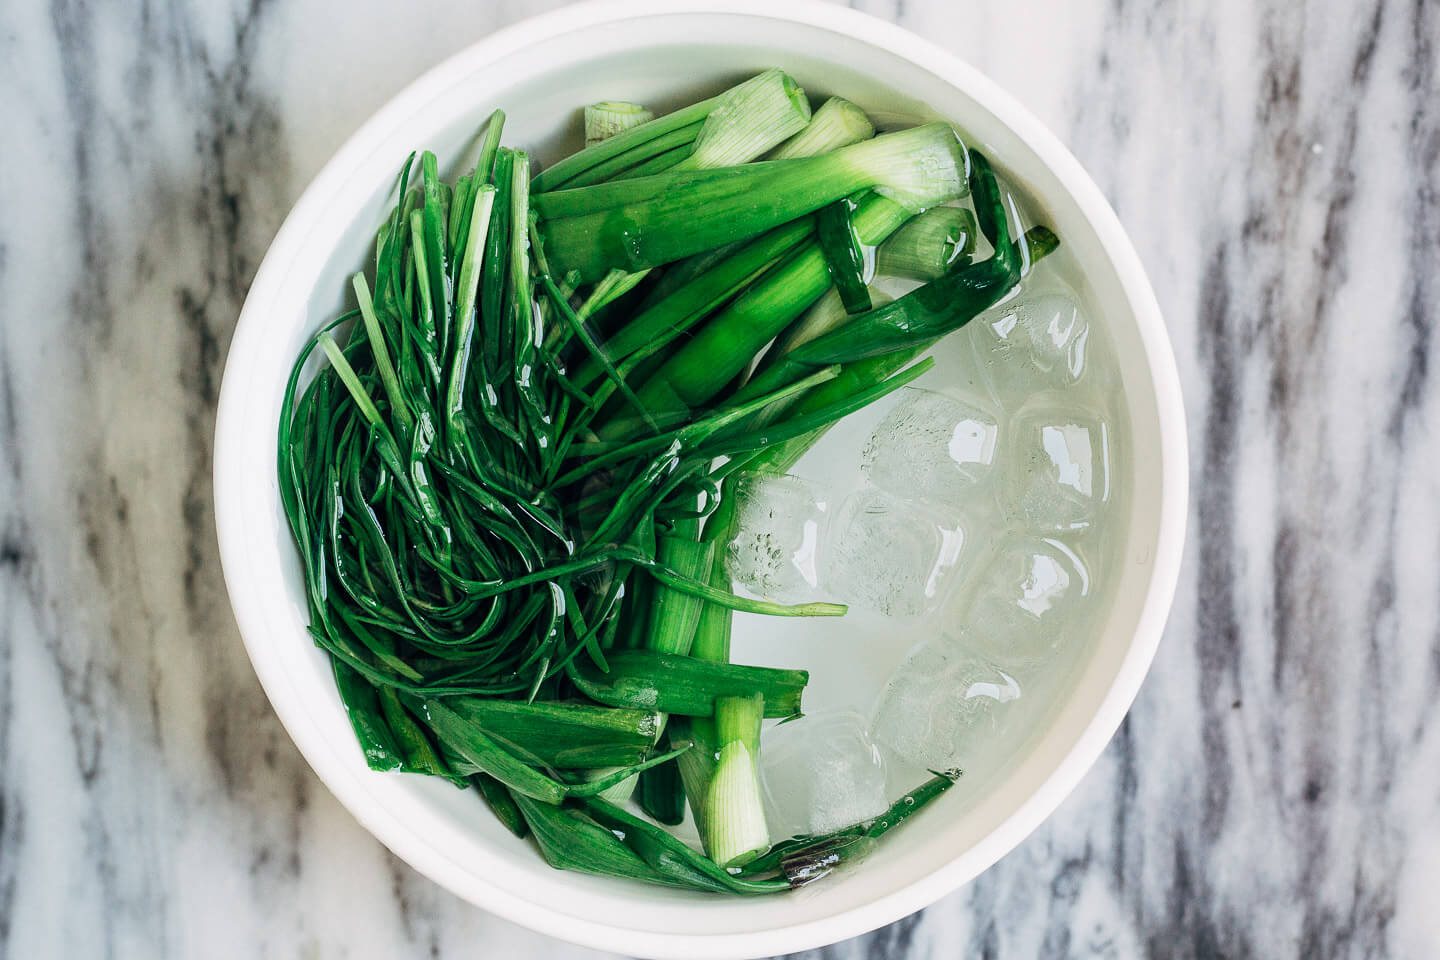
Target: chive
646,680
838,123
642,223
929,246
608,117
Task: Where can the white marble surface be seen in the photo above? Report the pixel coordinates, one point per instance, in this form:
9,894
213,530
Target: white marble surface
1276,790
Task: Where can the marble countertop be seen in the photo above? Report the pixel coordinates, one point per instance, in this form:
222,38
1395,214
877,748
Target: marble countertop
1274,792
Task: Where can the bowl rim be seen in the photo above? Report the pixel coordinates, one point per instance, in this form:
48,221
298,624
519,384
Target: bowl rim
407,843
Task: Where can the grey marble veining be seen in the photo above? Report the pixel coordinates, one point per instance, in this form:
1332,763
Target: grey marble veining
1274,792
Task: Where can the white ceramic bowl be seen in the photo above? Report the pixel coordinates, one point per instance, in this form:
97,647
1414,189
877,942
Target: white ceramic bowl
661,51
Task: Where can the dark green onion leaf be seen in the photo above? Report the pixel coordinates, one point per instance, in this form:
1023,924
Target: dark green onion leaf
843,256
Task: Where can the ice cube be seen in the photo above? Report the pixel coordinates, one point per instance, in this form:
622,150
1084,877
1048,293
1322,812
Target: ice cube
1034,339
1058,466
896,557
1028,595
941,705
820,773
932,446
781,520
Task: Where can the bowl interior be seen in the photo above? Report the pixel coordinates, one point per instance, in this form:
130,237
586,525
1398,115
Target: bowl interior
539,74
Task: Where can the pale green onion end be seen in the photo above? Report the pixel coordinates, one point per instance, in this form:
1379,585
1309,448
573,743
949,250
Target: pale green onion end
838,123
620,793
608,117
735,831
928,247
918,168
757,115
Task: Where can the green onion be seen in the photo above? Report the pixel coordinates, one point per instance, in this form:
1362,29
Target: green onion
559,174
838,123
502,803
569,840
929,246
509,513
656,327
643,679
937,307
642,223
669,856
725,345
835,232
622,791
755,116
680,141
565,735
608,117
661,793
734,822
675,614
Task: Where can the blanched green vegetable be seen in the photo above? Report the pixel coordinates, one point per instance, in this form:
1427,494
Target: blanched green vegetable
509,482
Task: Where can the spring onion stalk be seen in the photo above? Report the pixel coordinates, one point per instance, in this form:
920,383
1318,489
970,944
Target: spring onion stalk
629,141
559,174
605,119
659,163
674,615
838,123
758,114
678,276
643,679
677,313
929,246
728,342
778,367
939,306
735,830
650,221
678,142
690,291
